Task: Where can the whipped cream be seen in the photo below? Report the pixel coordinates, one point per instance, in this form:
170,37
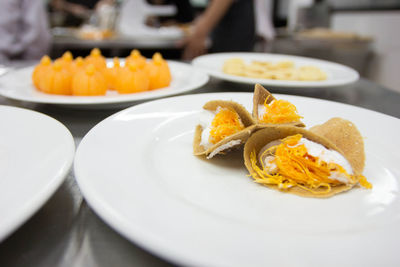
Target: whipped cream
206,117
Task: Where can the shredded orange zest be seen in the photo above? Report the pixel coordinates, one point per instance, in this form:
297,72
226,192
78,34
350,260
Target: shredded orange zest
225,123
280,111
295,167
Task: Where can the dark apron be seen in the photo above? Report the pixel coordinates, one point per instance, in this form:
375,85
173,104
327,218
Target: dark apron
236,30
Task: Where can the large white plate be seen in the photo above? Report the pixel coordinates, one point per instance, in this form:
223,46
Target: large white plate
337,74
137,171
36,152
18,85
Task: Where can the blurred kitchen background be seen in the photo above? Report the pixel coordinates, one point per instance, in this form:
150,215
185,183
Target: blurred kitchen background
362,34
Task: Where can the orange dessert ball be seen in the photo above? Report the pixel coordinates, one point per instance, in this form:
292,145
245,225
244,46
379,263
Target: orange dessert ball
132,79
40,70
96,59
159,73
66,60
89,82
136,58
77,65
56,80
112,73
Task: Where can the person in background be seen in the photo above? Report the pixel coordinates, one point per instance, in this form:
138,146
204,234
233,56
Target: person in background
24,30
265,31
229,24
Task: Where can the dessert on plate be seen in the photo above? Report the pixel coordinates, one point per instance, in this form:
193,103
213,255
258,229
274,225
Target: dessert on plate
326,160
267,110
223,125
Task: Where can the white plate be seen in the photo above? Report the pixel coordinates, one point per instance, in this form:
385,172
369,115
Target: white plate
337,74
137,171
18,85
36,152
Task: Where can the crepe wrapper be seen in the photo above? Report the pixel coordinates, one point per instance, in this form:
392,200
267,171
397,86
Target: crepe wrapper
336,134
260,96
345,135
242,135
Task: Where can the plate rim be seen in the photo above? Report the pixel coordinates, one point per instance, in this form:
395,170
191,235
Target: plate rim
36,202
277,83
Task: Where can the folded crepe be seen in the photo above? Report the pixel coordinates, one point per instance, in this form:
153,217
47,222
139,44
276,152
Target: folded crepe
320,162
225,125
268,111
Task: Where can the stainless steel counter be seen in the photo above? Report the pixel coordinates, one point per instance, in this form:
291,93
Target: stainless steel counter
66,232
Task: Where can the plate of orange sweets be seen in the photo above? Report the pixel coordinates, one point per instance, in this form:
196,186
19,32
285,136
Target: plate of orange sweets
96,80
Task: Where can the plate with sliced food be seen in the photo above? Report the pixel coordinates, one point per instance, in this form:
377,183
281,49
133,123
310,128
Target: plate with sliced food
276,70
